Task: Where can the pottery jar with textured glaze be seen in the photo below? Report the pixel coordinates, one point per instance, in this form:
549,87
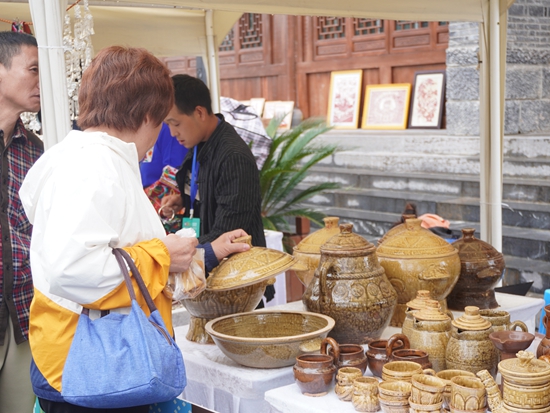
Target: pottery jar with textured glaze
314,374
525,385
481,268
417,259
351,287
470,347
345,355
431,332
308,250
418,303
396,229
500,320
379,351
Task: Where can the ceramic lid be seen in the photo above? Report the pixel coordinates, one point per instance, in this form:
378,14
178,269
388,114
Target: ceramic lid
524,368
419,301
471,249
431,312
249,267
415,242
312,243
397,229
346,243
471,320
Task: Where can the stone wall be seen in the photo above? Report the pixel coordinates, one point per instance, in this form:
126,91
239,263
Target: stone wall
527,108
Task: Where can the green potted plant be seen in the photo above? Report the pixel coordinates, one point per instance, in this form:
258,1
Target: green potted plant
292,154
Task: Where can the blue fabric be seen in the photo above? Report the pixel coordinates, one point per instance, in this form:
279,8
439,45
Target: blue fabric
122,361
167,151
172,406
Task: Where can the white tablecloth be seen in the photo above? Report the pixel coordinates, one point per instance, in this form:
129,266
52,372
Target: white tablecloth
218,383
274,240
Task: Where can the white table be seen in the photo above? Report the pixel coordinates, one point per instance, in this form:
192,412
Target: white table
218,383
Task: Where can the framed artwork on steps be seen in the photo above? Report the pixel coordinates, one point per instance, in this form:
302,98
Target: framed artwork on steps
428,100
386,106
344,99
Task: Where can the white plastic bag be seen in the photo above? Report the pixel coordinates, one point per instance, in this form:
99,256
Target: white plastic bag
192,282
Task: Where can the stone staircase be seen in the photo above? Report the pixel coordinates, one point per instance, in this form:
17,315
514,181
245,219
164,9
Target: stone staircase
381,171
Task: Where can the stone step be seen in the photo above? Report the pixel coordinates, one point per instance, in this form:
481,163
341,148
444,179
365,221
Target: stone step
528,243
467,185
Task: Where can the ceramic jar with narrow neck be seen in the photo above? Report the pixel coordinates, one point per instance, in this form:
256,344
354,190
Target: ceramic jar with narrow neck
470,347
350,286
416,259
481,268
431,331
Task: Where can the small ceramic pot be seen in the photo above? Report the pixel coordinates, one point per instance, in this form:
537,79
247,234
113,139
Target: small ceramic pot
468,393
345,355
446,376
393,406
344,384
378,350
418,356
314,374
425,408
403,371
427,389
365,394
398,391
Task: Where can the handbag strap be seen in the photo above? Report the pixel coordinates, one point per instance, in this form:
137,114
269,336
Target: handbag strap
124,258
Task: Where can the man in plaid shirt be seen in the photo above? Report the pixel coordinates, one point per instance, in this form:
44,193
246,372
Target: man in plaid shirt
19,148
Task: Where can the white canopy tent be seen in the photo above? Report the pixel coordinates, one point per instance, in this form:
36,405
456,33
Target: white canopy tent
196,27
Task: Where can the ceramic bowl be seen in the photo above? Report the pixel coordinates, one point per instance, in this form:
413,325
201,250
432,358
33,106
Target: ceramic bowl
269,339
510,342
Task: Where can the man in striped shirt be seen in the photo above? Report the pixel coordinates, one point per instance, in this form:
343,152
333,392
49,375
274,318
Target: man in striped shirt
19,92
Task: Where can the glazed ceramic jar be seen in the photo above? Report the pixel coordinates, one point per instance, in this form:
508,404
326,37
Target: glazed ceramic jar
481,268
500,320
308,251
236,285
470,347
416,259
397,229
418,303
525,385
430,332
351,287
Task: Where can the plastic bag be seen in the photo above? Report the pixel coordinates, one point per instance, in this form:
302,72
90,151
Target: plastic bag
192,282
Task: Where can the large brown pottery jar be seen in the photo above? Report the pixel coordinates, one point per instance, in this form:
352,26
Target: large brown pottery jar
481,268
431,331
236,285
470,347
351,287
525,385
308,250
416,259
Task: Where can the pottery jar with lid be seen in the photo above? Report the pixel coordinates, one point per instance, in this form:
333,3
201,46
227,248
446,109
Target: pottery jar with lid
430,332
525,385
236,285
350,286
418,303
481,268
470,347
308,251
416,259
396,229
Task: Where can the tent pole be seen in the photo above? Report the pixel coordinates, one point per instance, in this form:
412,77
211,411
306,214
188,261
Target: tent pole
213,75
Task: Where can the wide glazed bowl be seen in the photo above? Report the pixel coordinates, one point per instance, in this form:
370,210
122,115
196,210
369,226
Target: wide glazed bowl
269,339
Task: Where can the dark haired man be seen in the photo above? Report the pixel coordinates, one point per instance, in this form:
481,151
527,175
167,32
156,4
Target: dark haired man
19,92
219,178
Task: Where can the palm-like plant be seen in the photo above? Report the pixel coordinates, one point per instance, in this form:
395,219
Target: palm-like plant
291,156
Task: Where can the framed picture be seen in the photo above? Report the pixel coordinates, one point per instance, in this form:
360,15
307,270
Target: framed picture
344,99
258,105
276,108
386,106
428,100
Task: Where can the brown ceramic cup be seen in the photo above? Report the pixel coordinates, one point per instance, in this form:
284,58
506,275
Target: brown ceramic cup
378,350
427,389
418,356
314,374
344,382
467,393
403,370
446,376
365,394
345,355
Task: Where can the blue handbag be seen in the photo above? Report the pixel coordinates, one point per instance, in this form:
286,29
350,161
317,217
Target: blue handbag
121,360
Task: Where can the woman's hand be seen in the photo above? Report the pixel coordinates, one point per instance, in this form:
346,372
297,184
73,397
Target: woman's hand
181,251
171,204
223,245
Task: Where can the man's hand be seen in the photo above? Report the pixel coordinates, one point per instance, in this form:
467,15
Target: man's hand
171,204
223,245
181,251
